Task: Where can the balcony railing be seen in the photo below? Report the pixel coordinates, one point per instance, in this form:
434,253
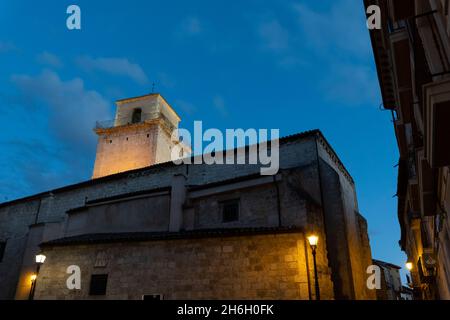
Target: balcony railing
120,121
421,68
104,124
437,43
123,121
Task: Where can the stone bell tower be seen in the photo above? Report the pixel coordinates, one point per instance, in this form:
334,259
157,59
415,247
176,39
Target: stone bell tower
139,136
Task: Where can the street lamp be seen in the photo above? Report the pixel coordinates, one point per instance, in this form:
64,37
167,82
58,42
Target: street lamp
33,281
40,259
313,240
409,266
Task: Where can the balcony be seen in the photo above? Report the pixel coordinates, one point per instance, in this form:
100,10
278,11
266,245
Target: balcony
428,194
431,65
105,124
422,74
436,120
414,196
427,267
133,120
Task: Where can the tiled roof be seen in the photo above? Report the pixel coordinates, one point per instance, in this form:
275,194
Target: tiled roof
159,166
224,181
153,236
119,197
384,263
90,182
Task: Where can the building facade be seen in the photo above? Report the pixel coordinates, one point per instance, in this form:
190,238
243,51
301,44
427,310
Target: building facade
407,293
412,55
391,283
190,231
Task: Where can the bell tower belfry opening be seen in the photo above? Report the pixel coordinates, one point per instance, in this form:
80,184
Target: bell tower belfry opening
139,136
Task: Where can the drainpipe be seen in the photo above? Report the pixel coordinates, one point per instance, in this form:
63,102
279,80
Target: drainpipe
320,180
177,198
37,212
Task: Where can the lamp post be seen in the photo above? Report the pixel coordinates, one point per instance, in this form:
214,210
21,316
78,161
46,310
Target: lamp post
33,281
409,266
313,240
40,259
416,289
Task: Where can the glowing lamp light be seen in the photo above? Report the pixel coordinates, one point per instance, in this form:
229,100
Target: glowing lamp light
313,240
40,258
33,277
409,266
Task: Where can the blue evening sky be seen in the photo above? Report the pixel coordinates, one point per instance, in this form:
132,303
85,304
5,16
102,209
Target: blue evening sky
293,65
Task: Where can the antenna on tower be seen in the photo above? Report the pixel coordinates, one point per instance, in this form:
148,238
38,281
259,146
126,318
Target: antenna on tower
153,87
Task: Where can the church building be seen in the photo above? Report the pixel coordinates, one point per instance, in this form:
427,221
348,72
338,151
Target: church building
146,228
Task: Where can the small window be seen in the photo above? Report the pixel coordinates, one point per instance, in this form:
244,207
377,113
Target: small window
2,249
230,211
98,284
136,118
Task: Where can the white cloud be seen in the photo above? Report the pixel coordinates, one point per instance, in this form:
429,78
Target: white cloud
73,109
282,43
65,153
338,40
273,35
290,61
342,27
219,105
190,26
351,84
166,80
29,167
115,66
185,106
7,46
50,59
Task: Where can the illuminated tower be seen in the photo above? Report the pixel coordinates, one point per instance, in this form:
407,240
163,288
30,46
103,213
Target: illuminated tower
139,136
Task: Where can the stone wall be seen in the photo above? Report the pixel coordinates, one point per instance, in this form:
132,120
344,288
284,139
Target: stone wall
246,267
295,199
343,198
149,213
258,208
336,230
391,284
14,222
17,216
366,254
121,149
